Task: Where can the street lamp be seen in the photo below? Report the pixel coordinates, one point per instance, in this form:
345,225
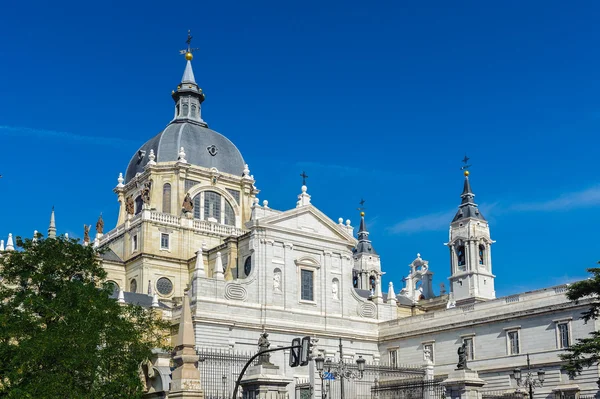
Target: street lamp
529,381
339,370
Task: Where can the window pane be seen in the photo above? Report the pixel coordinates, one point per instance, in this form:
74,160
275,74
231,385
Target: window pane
166,205
212,205
513,337
164,241
394,358
469,342
563,330
197,206
164,286
138,204
307,285
229,215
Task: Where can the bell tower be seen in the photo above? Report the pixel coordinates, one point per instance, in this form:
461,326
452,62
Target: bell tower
471,278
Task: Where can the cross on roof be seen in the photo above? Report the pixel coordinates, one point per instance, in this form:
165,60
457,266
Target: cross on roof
466,163
304,176
362,205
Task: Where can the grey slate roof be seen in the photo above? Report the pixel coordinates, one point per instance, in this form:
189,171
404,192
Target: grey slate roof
468,208
364,245
195,140
110,255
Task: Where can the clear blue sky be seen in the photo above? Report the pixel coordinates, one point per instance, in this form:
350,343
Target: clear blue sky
379,100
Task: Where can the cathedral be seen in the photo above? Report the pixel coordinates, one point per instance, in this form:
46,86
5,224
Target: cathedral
190,223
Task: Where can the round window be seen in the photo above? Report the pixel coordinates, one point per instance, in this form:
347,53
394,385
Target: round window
164,286
114,286
133,286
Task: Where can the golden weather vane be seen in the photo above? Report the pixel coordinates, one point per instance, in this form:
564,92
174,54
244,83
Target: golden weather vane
188,52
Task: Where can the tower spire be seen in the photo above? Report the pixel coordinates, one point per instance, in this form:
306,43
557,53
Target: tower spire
189,96
364,244
467,208
52,227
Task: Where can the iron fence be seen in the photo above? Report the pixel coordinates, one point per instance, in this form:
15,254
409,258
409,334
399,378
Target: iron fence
219,370
409,389
363,388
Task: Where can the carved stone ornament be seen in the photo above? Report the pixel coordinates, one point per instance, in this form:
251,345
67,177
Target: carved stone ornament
188,204
86,233
146,193
129,205
100,225
212,150
277,281
462,357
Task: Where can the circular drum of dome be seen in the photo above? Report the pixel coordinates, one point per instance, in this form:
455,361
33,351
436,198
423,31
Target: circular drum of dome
164,286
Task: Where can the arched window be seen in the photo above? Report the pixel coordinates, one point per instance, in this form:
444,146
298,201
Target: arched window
481,254
177,109
372,282
228,214
166,206
354,279
193,111
133,286
185,109
212,205
138,204
460,254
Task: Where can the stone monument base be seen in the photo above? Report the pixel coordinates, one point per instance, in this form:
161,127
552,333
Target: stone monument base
463,384
264,382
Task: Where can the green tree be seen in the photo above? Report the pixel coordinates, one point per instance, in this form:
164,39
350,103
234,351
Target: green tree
61,335
586,352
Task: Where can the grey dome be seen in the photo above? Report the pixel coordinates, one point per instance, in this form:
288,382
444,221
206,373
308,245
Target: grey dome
197,142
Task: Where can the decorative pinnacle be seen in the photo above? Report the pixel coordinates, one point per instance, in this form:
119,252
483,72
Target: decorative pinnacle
188,52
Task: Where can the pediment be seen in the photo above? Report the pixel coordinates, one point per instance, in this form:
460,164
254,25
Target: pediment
308,220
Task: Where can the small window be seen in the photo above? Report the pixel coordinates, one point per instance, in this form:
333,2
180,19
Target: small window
393,356
139,203
307,285
166,205
563,335
133,286
428,351
248,266
193,111
197,208
185,110
460,255
164,286
481,254
469,342
372,282
134,243
164,241
513,342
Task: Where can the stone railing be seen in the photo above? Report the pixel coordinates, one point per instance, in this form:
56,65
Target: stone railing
220,229
165,218
175,221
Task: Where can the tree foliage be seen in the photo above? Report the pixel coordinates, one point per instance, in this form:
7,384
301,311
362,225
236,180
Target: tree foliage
586,352
61,334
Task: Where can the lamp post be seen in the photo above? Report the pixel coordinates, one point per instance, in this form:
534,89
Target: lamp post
224,380
529,381
339,370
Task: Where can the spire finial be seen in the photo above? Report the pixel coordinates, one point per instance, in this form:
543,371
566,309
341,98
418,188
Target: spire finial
304,176
466,165
361,208
188,52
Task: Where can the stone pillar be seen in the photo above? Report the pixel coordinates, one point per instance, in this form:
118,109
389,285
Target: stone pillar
463,384
264,382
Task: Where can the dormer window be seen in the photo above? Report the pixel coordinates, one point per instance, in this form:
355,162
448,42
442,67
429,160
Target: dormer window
185,110
193,111
213,207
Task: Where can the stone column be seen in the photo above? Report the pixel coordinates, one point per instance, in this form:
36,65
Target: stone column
264,382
